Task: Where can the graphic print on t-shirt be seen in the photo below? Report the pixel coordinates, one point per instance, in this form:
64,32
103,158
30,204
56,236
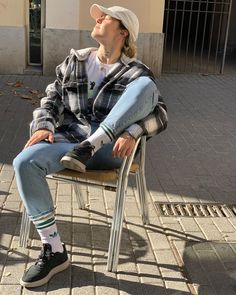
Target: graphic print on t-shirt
92,84
96,72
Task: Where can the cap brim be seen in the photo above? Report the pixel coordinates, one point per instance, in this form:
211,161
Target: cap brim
96,11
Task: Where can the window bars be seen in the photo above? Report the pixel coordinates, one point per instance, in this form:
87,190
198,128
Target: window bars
196,33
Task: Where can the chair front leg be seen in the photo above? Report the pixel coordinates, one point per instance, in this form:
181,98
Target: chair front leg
141,182
142,193
24,229
117,221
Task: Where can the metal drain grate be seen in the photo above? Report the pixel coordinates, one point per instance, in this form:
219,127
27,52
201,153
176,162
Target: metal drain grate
195,209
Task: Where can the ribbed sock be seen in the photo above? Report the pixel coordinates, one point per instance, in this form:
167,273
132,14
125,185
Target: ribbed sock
48,233
99,138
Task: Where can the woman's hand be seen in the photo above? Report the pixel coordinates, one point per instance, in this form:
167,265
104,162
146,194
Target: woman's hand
123,146
39,135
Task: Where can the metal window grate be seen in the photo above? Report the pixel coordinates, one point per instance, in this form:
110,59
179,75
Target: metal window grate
196,33
195,209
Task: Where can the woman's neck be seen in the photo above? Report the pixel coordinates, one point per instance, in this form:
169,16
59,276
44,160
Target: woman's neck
108,55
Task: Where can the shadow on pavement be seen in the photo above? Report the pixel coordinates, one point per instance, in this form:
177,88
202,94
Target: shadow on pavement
211,264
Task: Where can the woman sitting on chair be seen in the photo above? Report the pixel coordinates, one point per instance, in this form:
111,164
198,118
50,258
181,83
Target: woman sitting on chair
102,100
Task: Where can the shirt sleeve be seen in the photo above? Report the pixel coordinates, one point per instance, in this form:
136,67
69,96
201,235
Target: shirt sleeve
135,130
51,106
153,124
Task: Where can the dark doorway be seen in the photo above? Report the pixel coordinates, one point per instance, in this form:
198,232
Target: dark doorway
35,32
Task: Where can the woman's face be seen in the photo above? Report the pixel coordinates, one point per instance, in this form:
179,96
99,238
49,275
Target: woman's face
107,30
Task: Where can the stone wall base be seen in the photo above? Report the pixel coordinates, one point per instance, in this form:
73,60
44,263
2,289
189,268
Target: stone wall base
13,54
57,45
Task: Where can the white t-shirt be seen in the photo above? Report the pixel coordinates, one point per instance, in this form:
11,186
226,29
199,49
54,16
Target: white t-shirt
96,72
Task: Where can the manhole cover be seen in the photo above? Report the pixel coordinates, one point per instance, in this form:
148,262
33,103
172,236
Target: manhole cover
195,209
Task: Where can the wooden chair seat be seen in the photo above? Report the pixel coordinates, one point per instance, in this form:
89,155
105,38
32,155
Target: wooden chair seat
96,175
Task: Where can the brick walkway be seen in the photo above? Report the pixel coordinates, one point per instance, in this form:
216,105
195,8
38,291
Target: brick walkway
193,161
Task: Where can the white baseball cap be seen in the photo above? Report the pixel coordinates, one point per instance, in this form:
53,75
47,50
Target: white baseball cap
126,16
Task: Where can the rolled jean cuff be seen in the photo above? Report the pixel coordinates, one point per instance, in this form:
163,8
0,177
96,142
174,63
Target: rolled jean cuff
135,130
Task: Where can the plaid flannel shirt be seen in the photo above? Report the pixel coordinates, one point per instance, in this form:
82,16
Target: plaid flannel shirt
66,110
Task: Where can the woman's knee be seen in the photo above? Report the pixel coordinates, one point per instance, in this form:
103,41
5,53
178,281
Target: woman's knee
24,163
21,163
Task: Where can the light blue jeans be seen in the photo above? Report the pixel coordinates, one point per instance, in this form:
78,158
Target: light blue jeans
35,162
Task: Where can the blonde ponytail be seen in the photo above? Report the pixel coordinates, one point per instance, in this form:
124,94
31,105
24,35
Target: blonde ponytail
129,49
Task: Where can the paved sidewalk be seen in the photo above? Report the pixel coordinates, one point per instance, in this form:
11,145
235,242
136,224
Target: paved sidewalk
193,161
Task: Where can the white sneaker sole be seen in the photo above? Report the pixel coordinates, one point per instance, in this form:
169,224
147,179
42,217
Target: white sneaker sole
73,164
45,280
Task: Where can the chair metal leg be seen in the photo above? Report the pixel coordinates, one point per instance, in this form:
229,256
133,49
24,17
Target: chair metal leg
142,193
141,183
117,223
25,229
138,184
79,196
118,216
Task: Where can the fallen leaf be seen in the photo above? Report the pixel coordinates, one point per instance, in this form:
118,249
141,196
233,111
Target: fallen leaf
18,84
35,103
40,95
15,84
34,91
26,97
10,83
7,274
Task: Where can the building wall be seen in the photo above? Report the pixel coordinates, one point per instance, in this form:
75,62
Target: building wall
61,14
68,25
12,36
12,13
150,13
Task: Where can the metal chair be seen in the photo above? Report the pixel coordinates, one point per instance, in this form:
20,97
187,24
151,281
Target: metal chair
119,177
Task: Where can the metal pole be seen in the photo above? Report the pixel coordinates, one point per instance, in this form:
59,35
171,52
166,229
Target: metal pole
173,36
181,36
188,36
226,38
165,55
196,35
204,35
219,33
211,36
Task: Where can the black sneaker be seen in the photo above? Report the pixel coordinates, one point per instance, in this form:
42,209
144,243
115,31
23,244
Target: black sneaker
78,157
46,266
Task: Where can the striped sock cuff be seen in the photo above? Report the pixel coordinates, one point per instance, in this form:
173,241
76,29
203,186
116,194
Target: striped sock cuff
42,216
45,224
44,221
108,131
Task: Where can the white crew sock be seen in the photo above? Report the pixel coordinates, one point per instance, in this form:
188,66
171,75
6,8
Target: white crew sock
49,234
98,139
